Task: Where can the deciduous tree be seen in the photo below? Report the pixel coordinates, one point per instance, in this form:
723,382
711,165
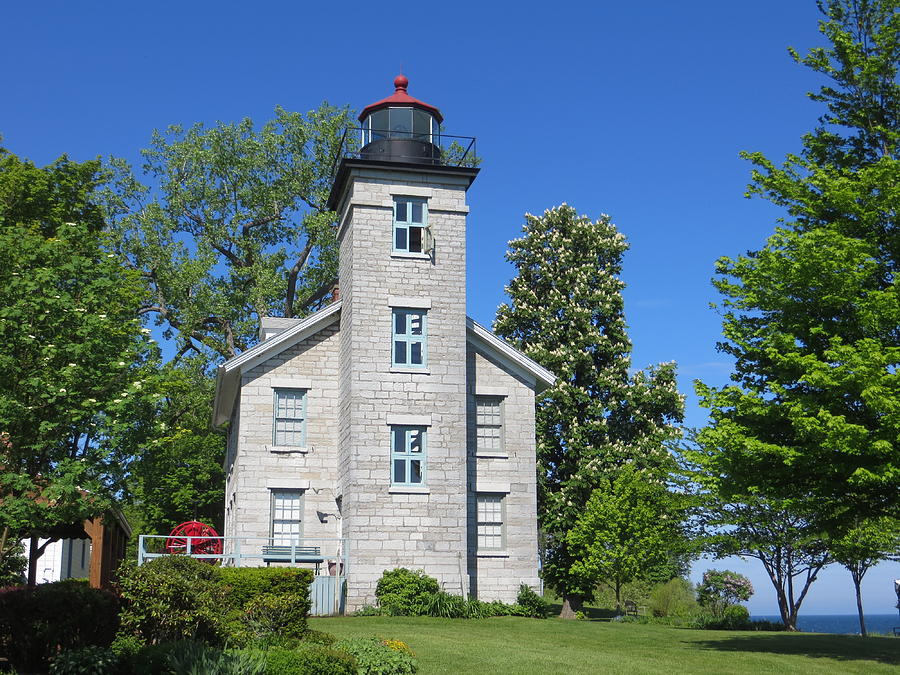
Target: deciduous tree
566,312
71,350
862,547
812,318
630,529
233,227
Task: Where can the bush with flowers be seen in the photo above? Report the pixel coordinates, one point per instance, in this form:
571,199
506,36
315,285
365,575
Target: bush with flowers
721,589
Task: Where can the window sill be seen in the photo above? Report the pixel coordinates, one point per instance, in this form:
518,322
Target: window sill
412,256
408,490
492,554
415,371
492,454
288,449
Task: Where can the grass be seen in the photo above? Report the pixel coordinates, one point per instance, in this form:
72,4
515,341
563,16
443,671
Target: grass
517,645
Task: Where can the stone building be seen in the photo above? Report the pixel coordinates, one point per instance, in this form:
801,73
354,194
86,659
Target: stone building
389,418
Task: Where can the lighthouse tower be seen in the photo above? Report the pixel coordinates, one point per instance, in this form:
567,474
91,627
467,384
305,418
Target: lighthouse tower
402,363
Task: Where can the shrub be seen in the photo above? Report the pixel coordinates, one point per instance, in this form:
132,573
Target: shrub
369,610
447,606
245,583
37,623
721,588
673,598
196,658
312,660
171,598
85,661
375,657
402,592
318,637
282,615
533,604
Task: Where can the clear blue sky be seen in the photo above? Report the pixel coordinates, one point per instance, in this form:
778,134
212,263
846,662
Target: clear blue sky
638,110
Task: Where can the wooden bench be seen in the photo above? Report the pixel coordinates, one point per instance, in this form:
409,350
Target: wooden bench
292,554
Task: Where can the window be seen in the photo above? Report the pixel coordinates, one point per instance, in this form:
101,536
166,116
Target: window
410,222
407,455
290,417
409,338
489,423
490,514
287,517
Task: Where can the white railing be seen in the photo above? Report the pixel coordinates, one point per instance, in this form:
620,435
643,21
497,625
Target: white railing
327,556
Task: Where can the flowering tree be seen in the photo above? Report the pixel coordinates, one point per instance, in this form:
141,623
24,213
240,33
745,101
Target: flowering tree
721,588
566,312
70,351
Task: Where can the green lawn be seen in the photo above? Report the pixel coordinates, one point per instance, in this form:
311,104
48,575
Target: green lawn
516,645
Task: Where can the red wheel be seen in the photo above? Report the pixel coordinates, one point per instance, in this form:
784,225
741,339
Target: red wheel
203,540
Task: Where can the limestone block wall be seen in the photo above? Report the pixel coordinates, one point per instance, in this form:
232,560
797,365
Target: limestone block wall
421,528
496,575
260,466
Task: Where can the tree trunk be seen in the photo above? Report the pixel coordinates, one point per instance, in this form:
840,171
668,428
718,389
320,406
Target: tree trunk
571,604
859,608
618,597
33,555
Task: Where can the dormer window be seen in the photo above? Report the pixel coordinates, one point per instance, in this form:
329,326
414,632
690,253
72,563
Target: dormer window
410,222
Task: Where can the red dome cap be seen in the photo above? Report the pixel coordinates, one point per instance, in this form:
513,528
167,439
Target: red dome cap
400,99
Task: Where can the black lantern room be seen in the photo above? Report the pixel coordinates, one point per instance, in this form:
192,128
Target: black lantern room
401,128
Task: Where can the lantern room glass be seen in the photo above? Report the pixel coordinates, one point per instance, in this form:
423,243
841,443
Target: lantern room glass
400,123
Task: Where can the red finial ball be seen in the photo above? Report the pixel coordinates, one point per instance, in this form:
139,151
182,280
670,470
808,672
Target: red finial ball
401,82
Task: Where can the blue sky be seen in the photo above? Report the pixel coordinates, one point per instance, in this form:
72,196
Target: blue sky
637,110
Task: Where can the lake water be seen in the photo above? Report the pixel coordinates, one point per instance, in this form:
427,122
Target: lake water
840,623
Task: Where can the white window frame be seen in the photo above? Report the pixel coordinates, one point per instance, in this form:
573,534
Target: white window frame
284,531
493,517
281,437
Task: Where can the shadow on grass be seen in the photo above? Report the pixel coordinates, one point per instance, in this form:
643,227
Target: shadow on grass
592,613
840,647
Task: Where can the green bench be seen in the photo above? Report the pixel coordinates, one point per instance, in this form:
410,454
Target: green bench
292,554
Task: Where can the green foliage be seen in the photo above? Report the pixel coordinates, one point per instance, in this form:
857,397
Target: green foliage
807,434
178,475
531,603
37,623
675,597
312,660
374,657
85,661
404,592
190,657
566,313
370,610
282,615
13,565
318,637
238,228
245,583
627,531
195,658
70,349
265,606
171,598
811,319
448,606
720,590
862,546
